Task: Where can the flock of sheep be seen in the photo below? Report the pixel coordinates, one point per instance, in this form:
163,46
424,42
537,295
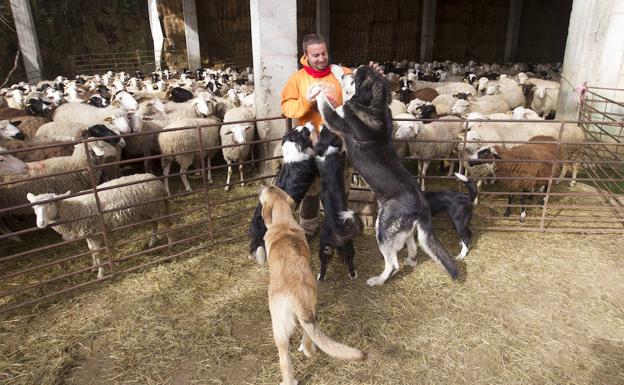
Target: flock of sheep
171,114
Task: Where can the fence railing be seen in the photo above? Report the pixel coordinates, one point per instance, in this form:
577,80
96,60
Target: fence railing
44,265
138,60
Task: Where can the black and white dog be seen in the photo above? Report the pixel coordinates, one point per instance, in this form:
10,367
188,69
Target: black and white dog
297,174
458,206
340,225
365,123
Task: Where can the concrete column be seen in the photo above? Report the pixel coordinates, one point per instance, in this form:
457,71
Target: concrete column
157,35
322,19
27,38
190,31
274,43
427,30
594,51
513,30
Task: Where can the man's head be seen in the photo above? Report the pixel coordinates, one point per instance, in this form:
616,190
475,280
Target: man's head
315,51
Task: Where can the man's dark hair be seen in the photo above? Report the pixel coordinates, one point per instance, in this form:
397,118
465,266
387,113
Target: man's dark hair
311,38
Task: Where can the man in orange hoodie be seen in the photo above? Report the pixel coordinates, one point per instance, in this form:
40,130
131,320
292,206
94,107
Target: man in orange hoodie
299,103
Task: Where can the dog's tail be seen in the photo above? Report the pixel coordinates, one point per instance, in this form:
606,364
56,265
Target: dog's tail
348,226
326,344
470,185
434,249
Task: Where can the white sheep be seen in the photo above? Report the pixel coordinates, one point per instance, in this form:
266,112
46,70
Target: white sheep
442,130
452,88
14,194
487,104
544,100
85,113
444,103
124,204
403,130
239,133
174,144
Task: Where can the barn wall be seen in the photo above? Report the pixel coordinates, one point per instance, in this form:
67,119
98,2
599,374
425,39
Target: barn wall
359,32
543,30
471,30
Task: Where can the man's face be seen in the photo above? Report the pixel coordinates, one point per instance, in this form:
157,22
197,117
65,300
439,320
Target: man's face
317,56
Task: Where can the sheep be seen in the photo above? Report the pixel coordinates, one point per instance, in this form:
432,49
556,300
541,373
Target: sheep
10,113
70,131
14,194
9,131
239,133
194,108
85,113
127,204
542,100
397,107
444,103
487,104
453,88
403,130
10,165
515,165
442,130
521,113
172,143
32,155
30,124
508,89
179,95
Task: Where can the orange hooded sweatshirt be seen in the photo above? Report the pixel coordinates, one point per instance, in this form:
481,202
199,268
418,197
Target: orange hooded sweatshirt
294,103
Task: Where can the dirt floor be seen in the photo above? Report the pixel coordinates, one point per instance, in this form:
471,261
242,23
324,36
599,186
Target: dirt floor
528,309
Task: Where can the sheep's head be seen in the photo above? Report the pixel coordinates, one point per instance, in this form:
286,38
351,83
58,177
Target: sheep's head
522,78
203,108
46,212
238,131
460,107
125,100
482,84
405,129
485,154
9,130
528,88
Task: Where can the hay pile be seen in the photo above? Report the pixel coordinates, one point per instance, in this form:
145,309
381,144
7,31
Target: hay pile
529,309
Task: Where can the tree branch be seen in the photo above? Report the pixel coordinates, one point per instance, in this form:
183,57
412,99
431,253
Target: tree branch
17,55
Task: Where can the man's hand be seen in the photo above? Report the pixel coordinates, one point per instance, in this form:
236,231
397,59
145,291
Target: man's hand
312,93
376,66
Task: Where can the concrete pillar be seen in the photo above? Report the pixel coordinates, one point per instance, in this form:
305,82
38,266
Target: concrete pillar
594,51
190,31
427,30
157,35
513,30
274,44
27,38
322,19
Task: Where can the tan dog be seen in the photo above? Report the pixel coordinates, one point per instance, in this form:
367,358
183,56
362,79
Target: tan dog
292,285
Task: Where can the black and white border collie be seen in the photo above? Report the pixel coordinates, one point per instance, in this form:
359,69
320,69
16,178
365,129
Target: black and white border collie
340,225
295,177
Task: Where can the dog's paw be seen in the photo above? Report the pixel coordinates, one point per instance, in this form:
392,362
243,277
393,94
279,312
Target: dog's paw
354,276
375,281
411,262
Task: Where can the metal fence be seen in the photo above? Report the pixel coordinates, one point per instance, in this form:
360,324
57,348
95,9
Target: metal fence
94,63
44,266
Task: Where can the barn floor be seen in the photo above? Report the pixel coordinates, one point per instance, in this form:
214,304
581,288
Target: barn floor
528,309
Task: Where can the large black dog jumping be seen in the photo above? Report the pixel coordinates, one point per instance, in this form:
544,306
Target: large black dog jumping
365,123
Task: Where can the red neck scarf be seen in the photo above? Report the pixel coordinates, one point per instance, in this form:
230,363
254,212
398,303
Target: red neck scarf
317,74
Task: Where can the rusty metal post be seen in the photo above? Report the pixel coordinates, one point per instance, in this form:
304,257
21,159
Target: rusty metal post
202,159
461,157
553,167
98,204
